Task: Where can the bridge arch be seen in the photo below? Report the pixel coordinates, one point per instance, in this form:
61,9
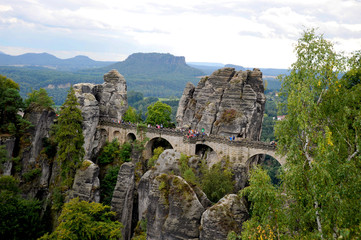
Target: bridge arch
131,137
272,154
269,163
117,135
206,152
154,143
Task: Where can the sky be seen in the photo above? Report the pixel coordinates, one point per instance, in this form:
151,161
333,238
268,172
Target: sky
250,33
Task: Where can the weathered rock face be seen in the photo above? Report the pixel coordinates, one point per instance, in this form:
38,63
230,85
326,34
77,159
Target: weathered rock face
9,143
41,120
86,183
168,203
107,100
227,103
122,201
225,216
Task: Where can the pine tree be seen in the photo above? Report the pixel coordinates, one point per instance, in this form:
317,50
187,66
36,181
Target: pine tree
69,136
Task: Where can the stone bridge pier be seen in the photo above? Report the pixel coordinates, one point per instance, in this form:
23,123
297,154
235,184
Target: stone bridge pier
237,151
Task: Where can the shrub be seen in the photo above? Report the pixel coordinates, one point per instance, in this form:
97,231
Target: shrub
216,182
32,174
83,220
156,152
108,184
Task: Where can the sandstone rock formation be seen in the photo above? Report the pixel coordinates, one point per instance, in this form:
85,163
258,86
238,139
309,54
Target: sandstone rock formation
107,100
123,198
168,203
41,120
225,216
86,183
227,103
8,142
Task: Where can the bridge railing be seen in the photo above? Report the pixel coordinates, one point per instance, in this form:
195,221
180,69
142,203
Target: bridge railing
243,142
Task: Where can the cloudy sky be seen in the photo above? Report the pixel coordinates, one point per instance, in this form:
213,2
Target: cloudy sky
251,33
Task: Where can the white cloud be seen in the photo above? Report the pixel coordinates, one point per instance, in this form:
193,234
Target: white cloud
246,32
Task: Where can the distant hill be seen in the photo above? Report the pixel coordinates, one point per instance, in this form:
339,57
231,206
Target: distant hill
269,74
153,74
237,67
50,61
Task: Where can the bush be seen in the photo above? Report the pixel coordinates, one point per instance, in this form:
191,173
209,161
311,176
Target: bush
20,218
108,184
32,174
216,182
156,152
113,152
83,220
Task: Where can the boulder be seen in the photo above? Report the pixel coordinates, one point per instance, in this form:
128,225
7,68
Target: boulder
123,198
173,210
170,205
86,183
226,103
225,216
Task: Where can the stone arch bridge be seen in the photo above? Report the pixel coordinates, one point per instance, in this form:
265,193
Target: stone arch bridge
237,151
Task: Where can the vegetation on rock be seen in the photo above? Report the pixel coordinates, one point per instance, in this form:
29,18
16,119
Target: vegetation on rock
83,220
10,104
70,139
40,98
107,185
113,152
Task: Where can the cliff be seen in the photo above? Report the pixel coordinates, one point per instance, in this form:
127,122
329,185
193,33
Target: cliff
226,103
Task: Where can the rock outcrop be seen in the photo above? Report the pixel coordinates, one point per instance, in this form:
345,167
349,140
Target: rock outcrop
107,100
227,103
86,183
41,120
168,203
9,143
225,216
123,198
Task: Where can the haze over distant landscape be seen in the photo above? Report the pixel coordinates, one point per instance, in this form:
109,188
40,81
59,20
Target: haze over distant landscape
249,33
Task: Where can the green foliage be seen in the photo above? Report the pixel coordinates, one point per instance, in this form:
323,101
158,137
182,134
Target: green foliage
20,218
108,184
159,113
69,136
186,171
132,116
57,199
9,183
83,220
113,152
32,174
3,156
140,231
49,147
10,104
156,152
40,98
320,139
267,213
216,182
